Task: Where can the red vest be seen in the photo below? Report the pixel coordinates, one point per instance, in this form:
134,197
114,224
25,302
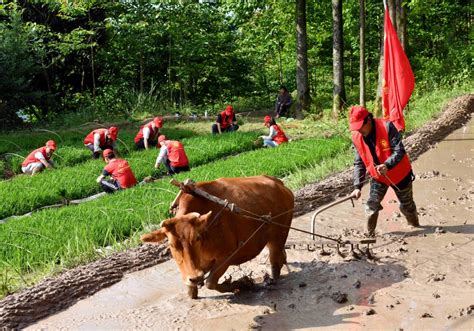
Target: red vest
120,171
90,137
280,136
153,133
226,121
32,159
383,151
176,154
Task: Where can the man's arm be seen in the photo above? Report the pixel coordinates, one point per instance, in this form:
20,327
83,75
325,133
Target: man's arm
146,136
104,174
161,156
41,158
396,144
234,120
218,122
359,170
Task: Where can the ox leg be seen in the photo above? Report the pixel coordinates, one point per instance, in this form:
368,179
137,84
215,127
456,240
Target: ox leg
193,292
277,259
213,282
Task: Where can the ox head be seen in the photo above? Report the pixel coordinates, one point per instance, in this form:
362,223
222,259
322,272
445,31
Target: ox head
186,234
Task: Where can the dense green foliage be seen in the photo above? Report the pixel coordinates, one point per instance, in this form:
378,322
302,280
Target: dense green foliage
98,57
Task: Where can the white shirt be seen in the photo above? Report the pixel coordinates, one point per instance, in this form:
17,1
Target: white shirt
39,156
162,155
146,133
271,135
97,141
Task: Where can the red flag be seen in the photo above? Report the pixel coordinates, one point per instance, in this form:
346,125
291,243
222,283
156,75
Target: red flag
398,79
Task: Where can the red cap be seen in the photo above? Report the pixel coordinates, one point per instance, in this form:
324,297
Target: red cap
267,119
113,132
158,122
107,153
161,138
229,110
357,116
51,144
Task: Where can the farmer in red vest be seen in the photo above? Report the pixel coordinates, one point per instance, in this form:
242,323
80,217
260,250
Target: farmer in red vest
380,151
101,139
172,155
148,134
225,121
119,170
39,159
276,135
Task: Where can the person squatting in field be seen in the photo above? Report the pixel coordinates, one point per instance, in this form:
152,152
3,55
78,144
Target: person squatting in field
283,102
380,151
225,121
276,135
172,155
39,159
101,139
119,170
148,134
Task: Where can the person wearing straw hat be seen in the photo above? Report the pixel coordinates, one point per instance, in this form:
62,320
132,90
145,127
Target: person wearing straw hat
101,139
276,135
172,155
225,121
39,159
119,170
148,134
379,151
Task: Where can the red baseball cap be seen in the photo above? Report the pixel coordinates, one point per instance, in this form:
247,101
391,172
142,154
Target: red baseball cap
161,138
267,119
51,144
357,116
229,110
158,121
113,131
107,153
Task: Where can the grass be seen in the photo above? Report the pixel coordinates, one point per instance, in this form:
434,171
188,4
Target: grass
52,240
24,193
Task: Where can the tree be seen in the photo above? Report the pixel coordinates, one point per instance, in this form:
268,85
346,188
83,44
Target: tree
339,92
362,52
302,81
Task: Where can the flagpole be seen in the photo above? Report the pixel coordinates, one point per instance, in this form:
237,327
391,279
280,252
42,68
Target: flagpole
385,4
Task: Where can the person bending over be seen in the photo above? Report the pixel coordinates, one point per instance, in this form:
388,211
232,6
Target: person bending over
148,134
101,139
172,156
119,171
225,121
39,159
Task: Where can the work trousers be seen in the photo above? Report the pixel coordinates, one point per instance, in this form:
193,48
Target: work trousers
141,144
173,170
230,128
109,186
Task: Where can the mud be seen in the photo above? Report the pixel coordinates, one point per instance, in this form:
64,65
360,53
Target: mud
148,299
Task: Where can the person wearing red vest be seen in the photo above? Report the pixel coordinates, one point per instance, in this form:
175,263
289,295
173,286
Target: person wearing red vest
119,170
172,155
276,135
39,159
380,152
225,121
148,134
101,139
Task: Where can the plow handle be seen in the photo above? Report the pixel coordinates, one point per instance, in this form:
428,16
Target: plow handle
323,208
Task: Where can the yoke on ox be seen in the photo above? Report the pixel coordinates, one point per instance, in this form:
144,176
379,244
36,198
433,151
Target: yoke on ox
206,237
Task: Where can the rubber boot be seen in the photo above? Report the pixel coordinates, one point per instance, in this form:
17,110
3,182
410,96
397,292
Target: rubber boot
372,224
412,219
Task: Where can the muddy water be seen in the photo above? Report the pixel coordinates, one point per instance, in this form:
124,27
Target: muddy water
418,272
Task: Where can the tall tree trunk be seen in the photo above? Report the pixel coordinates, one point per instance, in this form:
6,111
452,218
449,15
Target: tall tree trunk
93,71
142,75
302,81
378,98
339,94
402,23
362,52
280,66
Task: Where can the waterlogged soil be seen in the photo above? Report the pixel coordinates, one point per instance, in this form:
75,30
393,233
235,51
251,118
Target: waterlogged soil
419,279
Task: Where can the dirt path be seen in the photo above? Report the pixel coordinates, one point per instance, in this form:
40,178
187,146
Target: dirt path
423,272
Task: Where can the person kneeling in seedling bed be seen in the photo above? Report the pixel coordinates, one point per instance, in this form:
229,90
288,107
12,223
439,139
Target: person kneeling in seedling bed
225,121
148,134
276,135
120,171
39,159
100,140
172,155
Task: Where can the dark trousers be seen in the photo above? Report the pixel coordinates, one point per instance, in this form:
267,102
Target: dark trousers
141,143
283,111
174,170
231,128
109,186
97,155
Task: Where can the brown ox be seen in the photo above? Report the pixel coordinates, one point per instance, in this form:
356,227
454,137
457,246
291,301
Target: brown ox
201,243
